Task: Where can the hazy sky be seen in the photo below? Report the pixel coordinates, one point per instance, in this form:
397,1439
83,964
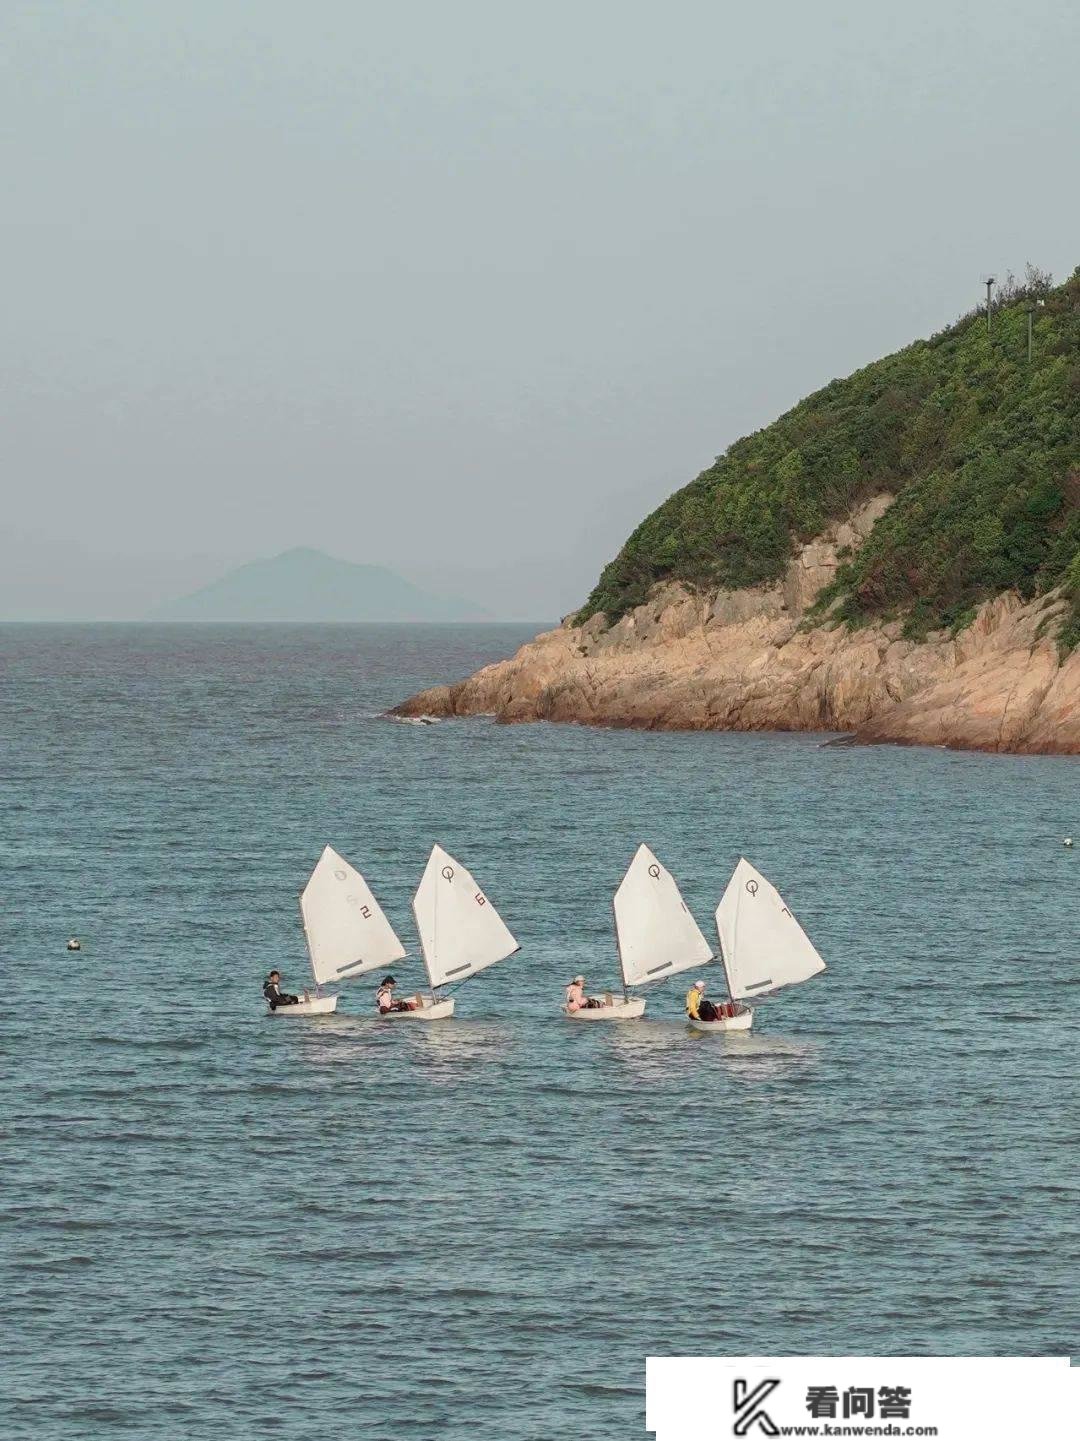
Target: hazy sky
467,288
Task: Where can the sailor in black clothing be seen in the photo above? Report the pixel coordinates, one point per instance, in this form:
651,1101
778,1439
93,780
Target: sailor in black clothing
274,995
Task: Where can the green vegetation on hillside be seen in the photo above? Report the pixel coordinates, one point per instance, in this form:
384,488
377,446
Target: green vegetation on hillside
981,449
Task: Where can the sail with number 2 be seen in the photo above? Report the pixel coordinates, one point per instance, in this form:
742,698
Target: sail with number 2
347,932
461,932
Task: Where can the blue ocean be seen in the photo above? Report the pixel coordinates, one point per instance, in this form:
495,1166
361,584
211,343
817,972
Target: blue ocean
220,1224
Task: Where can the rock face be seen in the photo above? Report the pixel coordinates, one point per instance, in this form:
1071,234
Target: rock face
745,660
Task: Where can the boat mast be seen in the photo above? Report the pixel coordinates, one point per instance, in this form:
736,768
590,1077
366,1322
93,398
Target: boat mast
307,942
618,949
435,935
727,978
723,955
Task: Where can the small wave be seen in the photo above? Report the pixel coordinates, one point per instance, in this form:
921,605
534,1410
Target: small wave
601,1388
49,1264
129,1042
74,1223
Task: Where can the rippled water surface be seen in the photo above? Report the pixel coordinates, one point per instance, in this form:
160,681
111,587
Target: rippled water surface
218,1224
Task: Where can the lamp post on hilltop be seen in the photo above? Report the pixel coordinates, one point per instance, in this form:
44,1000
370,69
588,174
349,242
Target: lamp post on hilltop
988,281
1032,311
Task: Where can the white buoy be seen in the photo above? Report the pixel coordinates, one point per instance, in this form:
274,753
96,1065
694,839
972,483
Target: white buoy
74,944
1068,842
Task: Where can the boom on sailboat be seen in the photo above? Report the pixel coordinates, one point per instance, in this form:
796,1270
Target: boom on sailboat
762,946
461,932
655,933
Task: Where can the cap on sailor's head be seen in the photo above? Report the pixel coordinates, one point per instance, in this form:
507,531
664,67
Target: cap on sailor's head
699,985
578,981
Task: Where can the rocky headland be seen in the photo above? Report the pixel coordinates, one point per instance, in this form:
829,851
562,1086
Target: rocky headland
750,659
896,557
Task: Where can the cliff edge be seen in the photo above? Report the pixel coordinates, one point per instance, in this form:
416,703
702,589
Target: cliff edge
747,659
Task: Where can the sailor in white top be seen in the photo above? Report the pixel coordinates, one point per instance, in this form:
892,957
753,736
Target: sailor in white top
384,998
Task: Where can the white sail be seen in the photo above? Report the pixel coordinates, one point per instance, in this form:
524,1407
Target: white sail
762,945
347,933
461,932
656,934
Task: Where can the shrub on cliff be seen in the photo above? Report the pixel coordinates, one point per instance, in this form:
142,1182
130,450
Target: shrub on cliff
981,449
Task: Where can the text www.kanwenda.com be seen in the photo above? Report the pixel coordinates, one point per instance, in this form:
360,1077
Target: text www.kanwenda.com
825,1429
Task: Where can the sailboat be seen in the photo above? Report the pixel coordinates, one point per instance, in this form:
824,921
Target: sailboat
762,946
461,932
347,934
655,933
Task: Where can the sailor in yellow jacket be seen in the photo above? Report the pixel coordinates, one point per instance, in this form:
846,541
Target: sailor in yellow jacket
693,999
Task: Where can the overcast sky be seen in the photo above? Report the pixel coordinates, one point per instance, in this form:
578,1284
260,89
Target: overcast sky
466,289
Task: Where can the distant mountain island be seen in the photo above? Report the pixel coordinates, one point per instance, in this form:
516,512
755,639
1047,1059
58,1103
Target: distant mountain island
308,585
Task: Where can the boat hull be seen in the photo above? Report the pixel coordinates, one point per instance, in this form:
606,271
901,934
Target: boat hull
316,1006
742,1021
428,1010
629,1009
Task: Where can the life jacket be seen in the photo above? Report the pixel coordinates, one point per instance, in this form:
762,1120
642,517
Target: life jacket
693,1001
575,996
384,994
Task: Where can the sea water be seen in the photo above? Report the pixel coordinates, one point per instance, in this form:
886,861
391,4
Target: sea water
221,1224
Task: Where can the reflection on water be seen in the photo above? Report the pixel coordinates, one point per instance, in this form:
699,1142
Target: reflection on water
660,1050
651,1050
753,1058
445,1052
335,1040
440,1049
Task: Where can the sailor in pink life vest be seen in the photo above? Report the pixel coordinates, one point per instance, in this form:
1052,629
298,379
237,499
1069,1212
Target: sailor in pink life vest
577,1000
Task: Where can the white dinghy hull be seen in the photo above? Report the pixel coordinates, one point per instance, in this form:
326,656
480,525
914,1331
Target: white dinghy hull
316,1006
740,1022
428,1010
629,1009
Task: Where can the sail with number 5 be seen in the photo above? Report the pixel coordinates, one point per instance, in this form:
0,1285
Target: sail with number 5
347,932
762,945
461,932
655,932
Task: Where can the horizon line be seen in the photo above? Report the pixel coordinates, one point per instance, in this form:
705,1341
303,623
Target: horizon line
55,620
